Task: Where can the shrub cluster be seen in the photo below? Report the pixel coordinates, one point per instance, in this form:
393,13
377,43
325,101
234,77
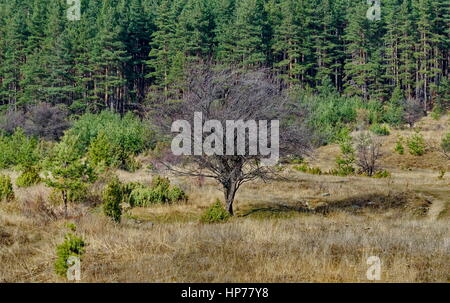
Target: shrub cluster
29,177
18,150
382,174
445,144
160,192
138,195
346,160
113,196
6,188
42,120
307,169
216,213
416,145
399,148
380,130
111,140
72,246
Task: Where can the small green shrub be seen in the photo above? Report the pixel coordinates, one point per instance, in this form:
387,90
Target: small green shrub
445,145
161,182
302,168
71,226
399,148
160,192
315,171
28,178
297,160
380,130
6,188
142,196
131,164
309,170
342,171
382,174
395,110
216,213
346,160
101,152
128,132
72,246
18,150
176,194
112,198
416,145
438,111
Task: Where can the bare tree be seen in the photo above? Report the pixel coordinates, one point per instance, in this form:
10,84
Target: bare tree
11,120
413,111
46,121
43,120
229,94
368,150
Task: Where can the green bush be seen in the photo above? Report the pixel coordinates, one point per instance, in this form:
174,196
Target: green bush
416,145
18,150
346,160
437,112
445,145
103,152
394,113
382,174
309,170
216,213
67,171
296,160
176,194
160,192
146,196
127,133
399,148
302,168
113,196
72,246
380,130
6,188
161,182
28,178
131,164
315,171
329,114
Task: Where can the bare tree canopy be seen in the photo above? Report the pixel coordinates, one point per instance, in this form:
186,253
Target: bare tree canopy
219,96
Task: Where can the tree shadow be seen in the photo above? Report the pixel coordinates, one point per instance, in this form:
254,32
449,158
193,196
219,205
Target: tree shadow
374,202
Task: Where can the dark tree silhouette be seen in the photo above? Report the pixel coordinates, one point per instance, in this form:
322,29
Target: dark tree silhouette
229,94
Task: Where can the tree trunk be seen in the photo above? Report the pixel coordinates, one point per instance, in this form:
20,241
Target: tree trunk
64,194
230,193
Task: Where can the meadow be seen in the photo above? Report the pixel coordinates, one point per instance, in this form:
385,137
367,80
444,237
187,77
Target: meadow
299,228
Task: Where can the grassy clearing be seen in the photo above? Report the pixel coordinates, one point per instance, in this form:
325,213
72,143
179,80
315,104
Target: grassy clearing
303,228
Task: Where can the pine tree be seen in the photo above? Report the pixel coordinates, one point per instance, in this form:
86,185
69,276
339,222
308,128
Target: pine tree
162,53
357,67
13,55
245,44
108,61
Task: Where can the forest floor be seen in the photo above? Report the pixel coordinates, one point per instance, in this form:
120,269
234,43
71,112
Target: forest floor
303,228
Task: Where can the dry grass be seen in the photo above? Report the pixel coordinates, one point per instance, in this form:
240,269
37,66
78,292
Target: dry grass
306,228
